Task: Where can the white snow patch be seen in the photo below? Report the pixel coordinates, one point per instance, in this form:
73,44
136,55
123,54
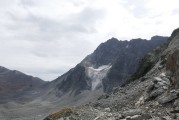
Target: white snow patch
127,46
96,75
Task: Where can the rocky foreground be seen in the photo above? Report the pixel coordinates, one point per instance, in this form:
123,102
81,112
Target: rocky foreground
152,93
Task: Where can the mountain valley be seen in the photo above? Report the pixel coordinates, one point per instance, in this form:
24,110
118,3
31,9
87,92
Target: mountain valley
104,80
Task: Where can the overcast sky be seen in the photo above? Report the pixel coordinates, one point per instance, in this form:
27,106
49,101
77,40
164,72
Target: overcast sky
45,38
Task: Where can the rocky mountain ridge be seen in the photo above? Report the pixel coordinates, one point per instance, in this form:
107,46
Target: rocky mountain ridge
151,94
117,55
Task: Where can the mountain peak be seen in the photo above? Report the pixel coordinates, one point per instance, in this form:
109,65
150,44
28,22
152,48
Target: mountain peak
156,37
175,32
3,69
113,39
12,82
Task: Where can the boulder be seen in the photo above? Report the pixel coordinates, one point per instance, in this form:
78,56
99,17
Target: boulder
156,93
169,97
141,117
107,109
132,112
135,117
153,94
140,101
161,81
176,104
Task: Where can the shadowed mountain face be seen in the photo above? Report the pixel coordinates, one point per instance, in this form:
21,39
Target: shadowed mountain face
13,82
109,66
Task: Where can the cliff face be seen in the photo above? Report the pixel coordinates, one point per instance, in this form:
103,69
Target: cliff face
172,62
127,61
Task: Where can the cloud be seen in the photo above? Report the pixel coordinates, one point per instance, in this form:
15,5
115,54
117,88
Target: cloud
47,38
38,44
175,11
137,8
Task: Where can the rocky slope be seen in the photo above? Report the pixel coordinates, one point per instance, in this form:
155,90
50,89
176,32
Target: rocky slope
152,92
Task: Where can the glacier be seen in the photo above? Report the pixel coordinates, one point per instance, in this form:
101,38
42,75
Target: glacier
96,75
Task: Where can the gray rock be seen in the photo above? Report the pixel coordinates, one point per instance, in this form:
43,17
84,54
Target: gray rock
166,118
160,67
141,117
135,117
154,94
145,117
118,116
165,87
167,81
150,88
155,118
175,111
176,103
161,81
140,101
168,97
61,119
132,112
142,79
128,118
107,109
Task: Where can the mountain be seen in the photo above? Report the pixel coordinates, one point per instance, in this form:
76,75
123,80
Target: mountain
152,92
14,83
109,66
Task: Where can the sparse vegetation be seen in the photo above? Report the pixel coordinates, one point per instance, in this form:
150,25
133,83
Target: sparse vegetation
62,113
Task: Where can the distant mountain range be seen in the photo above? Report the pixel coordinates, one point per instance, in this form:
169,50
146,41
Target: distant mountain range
14,83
